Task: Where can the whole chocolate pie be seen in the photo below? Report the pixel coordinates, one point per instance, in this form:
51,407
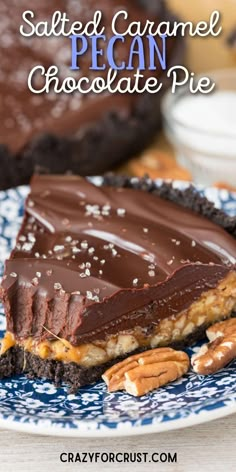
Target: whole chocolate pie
58,133
100,271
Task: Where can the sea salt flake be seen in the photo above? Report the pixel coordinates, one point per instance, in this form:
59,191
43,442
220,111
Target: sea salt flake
57,286
175,241
92,210
27,247
106,208
74,242
120,211
31,238
105,212
151,266
58,248
75,250
170,262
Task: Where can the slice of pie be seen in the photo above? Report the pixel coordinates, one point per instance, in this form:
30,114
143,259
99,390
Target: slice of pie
100,271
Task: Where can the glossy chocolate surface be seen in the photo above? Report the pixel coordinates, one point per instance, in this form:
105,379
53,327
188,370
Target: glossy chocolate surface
94,260
24,114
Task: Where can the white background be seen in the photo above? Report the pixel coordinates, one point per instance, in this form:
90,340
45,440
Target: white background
210,447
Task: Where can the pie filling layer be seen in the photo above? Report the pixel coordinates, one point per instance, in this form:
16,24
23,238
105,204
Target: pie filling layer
214,305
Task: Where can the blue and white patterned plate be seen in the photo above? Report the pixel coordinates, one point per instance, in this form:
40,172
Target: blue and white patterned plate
36,406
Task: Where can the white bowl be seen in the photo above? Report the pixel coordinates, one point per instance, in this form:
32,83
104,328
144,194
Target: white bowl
203,129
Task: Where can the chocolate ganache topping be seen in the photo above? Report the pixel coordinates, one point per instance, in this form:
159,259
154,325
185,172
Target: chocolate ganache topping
95,260
24,114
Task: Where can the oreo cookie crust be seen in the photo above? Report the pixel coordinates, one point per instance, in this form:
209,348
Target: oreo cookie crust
75,305
187,198
18,361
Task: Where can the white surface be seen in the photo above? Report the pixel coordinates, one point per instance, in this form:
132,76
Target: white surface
202,129
204,448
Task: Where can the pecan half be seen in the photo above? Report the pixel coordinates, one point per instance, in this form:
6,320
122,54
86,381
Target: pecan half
219,351
141,373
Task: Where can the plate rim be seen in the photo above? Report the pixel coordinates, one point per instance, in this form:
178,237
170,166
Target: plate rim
192,419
